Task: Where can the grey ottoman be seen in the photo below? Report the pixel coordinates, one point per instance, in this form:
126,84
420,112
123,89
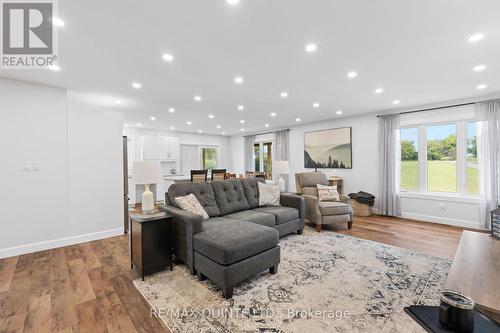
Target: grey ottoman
231,251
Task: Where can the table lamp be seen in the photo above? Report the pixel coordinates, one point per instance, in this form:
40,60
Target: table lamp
281,168
147,173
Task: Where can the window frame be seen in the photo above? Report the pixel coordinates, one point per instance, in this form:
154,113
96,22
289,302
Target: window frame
461,158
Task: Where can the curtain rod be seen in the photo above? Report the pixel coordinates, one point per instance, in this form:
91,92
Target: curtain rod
286,129
431,109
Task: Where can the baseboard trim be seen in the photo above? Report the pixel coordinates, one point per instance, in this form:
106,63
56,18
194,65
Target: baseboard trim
60,242
441,220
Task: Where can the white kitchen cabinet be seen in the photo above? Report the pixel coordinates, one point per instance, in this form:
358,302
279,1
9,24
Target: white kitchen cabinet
174,148
149,148
160,148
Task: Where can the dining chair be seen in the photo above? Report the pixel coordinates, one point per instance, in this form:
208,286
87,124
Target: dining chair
218,174
260,175
230,176
199,175
249,174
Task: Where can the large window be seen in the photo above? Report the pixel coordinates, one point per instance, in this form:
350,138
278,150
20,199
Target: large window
439,158
263,158
209,158
442,158
472,165
409,159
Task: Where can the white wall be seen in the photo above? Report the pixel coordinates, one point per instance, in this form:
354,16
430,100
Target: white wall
364,174
54,206
185,138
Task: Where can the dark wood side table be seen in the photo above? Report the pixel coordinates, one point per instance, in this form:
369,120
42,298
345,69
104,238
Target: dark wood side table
151,243
339,182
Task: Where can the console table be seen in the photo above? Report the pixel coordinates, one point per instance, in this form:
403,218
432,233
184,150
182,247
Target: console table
475,272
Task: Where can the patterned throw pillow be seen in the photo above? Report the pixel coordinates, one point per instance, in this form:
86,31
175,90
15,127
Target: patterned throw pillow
328,193
269,195
190,204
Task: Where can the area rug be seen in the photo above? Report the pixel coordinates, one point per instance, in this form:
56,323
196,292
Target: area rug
326,282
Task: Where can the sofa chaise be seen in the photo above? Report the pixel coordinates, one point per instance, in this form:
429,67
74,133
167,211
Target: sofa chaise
240,239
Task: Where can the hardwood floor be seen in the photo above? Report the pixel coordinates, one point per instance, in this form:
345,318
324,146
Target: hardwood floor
88,287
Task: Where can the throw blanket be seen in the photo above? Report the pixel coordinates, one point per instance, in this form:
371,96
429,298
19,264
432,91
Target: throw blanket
363,197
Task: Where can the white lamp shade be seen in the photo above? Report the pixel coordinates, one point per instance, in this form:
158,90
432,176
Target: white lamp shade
281,167
148,172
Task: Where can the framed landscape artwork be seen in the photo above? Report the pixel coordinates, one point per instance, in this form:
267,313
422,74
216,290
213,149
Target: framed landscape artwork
328,149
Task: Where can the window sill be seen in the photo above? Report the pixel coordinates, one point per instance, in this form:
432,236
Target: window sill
460,198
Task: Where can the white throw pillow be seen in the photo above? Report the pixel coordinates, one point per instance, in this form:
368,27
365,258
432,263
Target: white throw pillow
328,193
191,204
269,194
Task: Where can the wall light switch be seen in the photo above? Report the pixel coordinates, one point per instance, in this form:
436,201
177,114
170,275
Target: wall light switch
26,166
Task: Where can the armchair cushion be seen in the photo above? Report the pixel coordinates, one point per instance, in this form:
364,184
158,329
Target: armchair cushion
334,208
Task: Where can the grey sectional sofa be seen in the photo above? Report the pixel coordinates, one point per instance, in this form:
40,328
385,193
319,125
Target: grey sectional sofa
240,239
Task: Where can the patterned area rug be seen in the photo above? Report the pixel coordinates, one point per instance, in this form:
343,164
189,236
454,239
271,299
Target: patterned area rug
326,282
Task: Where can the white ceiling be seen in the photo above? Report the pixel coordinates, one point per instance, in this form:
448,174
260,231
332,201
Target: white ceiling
416,50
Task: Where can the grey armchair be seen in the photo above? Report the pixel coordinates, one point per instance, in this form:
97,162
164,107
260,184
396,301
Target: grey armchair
322,212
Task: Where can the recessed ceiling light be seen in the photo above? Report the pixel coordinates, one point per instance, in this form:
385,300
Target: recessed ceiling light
352,75
136,85
54,68
189,123
57,22
311,47
171,110
211,116
242,129
223,133
479,68
396,102
197,98
339,112
482,86
152,118
200,131
316,105
298,120
118,101
172,128
273,114
379,90
139,125
266,125
476,37
242,121
238,80
241,107
168,57
284,94
218,126
233,2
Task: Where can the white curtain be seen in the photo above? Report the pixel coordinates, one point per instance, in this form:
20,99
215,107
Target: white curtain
488,152
281,149
388,201
249,152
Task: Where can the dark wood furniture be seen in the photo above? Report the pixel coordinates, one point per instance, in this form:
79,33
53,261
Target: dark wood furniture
199,175
249,174
475,272
260,175
218,174
151,243
339,182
